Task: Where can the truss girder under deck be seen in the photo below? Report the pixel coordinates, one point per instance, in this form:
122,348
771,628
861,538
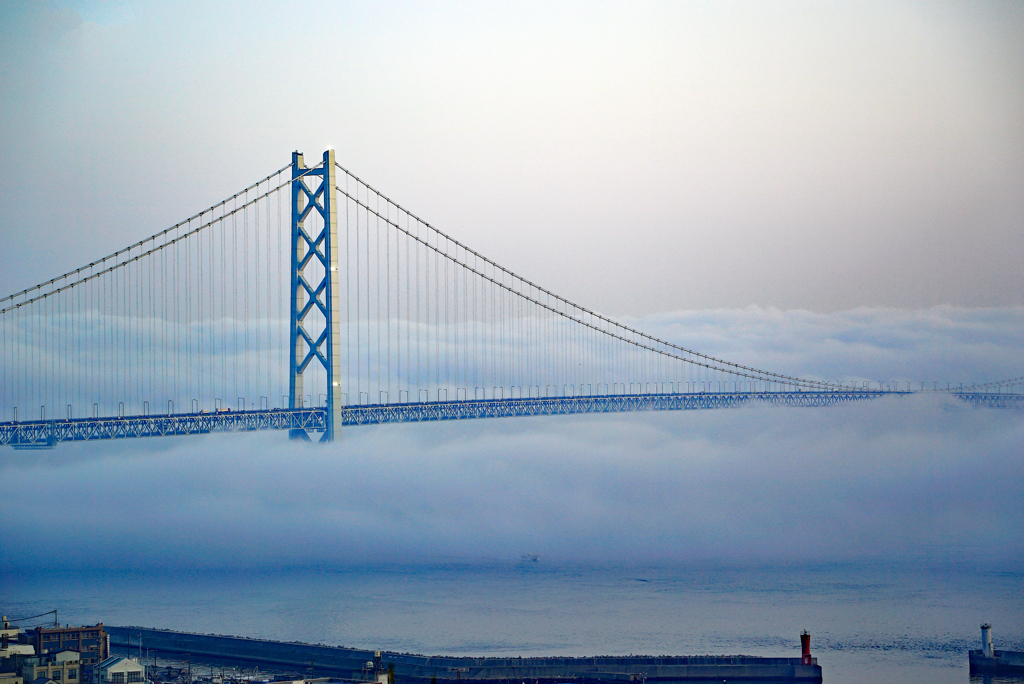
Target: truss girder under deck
45,434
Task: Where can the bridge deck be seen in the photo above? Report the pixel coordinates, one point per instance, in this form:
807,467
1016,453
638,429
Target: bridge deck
46,434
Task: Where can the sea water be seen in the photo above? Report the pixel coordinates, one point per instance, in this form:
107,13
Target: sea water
868,623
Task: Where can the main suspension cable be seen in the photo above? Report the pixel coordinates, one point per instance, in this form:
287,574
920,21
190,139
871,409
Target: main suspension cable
167,243
725,366
146,240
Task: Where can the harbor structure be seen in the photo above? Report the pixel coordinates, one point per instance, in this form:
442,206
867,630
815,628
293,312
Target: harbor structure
407,668
989,661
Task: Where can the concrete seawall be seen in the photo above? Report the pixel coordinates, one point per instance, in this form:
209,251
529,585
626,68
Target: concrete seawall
349,662
1001,663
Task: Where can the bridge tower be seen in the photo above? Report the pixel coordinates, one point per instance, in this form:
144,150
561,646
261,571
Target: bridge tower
312,292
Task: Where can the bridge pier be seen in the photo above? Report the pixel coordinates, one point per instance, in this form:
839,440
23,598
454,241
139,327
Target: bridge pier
317,251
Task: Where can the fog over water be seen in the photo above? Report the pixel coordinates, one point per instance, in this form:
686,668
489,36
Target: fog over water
924,478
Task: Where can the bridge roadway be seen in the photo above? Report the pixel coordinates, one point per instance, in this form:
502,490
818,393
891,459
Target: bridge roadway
45,434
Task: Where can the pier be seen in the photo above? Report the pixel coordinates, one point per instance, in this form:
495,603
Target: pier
351,663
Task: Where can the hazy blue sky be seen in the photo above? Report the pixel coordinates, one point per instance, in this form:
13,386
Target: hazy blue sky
637,157
738,176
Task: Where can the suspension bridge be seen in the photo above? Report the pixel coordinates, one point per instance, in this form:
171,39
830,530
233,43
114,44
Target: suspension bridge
310,301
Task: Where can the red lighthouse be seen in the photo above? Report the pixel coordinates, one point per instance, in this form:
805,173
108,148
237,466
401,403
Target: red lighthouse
805,648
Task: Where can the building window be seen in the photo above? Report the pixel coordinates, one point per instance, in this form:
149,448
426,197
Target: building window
55,675
72,674
134,676
117,677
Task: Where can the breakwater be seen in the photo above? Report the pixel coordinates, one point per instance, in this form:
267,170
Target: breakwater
351,663
999,663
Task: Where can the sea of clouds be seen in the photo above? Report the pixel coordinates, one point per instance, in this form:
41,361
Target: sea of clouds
922,479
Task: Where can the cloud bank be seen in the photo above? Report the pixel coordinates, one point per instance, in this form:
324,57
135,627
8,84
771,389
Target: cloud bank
919,479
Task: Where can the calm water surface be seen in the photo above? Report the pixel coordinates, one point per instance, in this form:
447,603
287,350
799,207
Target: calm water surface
868,624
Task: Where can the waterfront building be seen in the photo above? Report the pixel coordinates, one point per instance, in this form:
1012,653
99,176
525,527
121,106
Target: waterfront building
9,676
8,673
63,667
91,641
10,650
120,670
10,635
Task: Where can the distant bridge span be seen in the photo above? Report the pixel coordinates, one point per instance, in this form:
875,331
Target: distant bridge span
46,434
310,301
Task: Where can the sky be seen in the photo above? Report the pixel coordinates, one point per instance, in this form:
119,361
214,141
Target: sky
635,157
834,190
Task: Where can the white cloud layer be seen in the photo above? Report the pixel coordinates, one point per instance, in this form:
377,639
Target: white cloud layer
918,479
939,345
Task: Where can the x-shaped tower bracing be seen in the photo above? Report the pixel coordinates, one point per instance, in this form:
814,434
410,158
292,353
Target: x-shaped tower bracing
314,339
